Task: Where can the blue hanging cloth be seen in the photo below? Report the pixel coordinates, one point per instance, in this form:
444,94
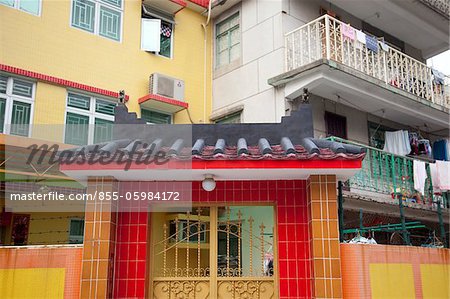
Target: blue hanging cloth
371,43
440,150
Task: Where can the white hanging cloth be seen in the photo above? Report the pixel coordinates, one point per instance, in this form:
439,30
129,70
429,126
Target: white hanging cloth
420,175
397,143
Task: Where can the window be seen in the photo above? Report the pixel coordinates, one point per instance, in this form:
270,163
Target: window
157,36
377,134
101,17
88,119
30,6
234,118
336,125
154,117
166,39
16,105
228,40
76,231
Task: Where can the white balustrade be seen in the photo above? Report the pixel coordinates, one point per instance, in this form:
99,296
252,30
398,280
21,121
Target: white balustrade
322,38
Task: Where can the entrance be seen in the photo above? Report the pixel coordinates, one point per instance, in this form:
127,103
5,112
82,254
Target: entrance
214,252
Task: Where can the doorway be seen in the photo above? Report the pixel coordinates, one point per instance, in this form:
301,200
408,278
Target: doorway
214,252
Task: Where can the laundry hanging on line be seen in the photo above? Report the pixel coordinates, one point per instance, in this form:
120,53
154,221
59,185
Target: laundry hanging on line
443,172
440,150
372,43
383,46
435,178
420,175
439,78
348,31
361,37
397,143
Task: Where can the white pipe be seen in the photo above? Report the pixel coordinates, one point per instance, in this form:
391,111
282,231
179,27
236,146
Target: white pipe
205,60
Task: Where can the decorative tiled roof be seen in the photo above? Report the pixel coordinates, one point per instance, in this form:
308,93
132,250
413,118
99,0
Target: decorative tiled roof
309,149
288,140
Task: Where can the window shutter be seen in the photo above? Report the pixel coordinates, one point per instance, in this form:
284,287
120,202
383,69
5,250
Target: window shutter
151,35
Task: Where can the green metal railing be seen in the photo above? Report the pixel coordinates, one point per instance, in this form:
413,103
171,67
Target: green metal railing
390,174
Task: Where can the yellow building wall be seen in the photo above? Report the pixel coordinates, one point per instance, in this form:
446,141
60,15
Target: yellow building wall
48,44
46,228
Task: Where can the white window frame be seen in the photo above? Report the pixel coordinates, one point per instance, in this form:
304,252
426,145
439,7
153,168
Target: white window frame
98,3
90,113
237,62
159,33
10,98
16,5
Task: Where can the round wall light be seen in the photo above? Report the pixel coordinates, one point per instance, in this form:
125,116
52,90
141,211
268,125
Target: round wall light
208,183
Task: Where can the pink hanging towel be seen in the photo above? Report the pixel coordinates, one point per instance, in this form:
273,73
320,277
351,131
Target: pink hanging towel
348,31
443,170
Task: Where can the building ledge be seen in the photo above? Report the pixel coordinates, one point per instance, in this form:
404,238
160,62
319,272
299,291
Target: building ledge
161,103
330,79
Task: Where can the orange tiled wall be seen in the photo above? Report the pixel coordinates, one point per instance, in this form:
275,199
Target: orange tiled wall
37,264
324,228
381,271
99,241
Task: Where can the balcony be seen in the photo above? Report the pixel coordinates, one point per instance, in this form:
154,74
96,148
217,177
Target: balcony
320,58
387,178
440,6
323,39
421,23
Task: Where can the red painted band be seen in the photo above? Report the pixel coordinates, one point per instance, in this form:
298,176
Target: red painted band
59,81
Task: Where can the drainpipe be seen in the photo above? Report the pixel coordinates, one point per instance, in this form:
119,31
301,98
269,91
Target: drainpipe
205,68
341,212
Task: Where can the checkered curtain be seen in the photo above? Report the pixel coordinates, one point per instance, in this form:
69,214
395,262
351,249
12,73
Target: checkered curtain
166,30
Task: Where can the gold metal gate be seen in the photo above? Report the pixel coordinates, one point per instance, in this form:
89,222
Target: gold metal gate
214,252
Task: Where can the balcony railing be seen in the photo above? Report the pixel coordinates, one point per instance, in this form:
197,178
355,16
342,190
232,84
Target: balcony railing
440,6
392,176
322,39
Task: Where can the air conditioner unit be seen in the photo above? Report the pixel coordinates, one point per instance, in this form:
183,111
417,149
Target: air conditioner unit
166,86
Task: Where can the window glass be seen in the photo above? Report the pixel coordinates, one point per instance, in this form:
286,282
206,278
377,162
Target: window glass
154,117
233,118
228,40
101,17
31,6
109,23
166,39
7,2
78,101
22,88
117,3
103,130
77,128
377,134
20,118
83,13
104,107
2,114
3,84
76,231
